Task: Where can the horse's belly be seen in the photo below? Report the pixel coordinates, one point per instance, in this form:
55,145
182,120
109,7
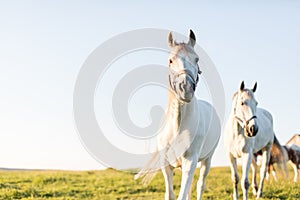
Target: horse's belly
209,130
263,138
209,144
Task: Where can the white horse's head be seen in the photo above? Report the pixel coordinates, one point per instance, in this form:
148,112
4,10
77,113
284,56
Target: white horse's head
244,105
183,68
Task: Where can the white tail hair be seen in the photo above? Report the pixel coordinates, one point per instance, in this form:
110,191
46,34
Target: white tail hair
173,151
150,170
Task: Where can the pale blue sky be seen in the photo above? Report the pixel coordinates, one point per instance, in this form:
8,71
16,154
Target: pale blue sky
43,45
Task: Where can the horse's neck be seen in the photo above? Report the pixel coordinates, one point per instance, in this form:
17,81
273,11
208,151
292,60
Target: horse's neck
236,128
176,112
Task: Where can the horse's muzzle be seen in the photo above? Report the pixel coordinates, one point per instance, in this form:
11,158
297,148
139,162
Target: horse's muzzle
187,89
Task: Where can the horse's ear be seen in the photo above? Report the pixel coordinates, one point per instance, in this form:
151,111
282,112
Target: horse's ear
171,40
242,86
192,39
254,87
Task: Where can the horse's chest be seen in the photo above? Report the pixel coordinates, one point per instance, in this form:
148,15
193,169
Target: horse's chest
240,145
175,145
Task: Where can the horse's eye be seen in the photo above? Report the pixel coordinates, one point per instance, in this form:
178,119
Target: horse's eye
196,60
170,61
242,103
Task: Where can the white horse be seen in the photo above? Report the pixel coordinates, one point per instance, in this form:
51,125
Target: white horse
248,130
191,130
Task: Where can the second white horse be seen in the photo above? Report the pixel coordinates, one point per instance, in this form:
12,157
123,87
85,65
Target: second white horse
248,130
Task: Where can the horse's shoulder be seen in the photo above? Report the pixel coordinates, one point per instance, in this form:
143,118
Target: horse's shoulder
264,111
207,110
205,106
261,112
203,103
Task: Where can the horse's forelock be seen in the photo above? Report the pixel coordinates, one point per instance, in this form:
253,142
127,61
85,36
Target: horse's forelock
248,91
182,48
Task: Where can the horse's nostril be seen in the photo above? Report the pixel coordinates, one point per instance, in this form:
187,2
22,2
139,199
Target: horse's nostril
181,87
194,86
253,130
191,85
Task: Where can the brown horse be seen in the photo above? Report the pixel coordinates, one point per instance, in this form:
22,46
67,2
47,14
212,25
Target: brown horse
294,140
293,149
279,155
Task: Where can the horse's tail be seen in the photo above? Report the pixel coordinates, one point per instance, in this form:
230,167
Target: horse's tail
150,170
279,155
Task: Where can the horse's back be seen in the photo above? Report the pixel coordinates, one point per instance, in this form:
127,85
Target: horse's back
209,128
295,147
294,140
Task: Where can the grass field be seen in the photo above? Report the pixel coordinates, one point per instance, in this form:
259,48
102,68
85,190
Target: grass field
112,184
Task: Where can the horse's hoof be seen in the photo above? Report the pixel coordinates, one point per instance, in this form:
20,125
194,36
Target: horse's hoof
254,191
169,197
235,197
259,195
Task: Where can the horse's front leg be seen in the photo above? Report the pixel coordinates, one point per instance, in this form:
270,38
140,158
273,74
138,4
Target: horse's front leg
272,170
204,170
295,171
234,176
247,159
254,173
168,176
296,175
189,196
189,165
268,173
263,170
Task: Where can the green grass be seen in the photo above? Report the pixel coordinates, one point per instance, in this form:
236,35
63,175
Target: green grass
118,185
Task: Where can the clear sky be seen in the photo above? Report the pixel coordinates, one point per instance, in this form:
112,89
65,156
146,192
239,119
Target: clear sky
44,44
